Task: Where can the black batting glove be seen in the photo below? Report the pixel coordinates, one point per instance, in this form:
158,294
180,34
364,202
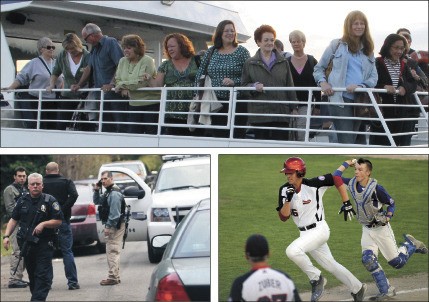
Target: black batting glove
348,210
289,193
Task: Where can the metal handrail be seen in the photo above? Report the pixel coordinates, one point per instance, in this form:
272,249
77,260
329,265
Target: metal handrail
231,114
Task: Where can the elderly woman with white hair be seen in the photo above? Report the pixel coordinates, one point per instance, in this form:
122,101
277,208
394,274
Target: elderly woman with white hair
36,74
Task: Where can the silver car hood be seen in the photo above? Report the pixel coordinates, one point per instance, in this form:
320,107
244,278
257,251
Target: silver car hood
193,271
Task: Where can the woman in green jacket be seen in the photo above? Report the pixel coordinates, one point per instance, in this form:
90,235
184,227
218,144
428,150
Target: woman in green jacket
268,68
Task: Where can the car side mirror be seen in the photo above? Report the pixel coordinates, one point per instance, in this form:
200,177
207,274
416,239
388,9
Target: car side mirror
133,191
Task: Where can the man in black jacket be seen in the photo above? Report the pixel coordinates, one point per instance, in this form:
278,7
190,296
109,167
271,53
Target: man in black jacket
64,191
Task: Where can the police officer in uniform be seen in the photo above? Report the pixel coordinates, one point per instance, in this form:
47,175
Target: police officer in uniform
112,216
10,196
38,214
64,191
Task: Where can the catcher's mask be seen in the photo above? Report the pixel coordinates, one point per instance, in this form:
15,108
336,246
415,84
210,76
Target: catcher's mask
294,164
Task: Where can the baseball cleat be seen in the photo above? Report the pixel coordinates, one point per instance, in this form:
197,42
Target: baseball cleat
360,294
317,288
384,296
420,246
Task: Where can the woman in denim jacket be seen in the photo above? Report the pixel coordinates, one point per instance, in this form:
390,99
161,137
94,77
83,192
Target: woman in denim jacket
353,67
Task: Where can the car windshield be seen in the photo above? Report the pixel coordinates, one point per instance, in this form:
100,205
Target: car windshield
195,241
183,177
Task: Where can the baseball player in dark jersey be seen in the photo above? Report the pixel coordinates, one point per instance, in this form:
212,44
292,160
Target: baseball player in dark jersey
370,197
262,283
301,199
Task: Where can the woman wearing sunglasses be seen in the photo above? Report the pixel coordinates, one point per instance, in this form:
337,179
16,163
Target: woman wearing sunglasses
36,74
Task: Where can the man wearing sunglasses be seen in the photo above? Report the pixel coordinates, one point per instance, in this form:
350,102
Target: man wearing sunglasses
38,214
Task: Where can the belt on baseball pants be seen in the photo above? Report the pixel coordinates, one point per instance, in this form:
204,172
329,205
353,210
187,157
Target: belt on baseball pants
308,227
374,225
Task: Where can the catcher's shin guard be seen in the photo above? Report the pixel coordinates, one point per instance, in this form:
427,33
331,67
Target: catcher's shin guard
370,262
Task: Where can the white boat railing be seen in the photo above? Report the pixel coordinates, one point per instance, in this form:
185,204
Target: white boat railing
316,135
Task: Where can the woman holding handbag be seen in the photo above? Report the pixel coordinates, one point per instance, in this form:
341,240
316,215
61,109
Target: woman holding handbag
224,68
353,66
395,75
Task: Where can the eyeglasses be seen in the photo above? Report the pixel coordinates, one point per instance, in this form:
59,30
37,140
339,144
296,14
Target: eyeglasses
49,47
35,184
398,48
86,38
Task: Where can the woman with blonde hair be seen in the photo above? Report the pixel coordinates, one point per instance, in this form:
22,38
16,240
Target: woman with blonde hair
353,67
71,63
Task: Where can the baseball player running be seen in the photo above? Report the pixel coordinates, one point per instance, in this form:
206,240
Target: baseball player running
301,198
262,283
370,197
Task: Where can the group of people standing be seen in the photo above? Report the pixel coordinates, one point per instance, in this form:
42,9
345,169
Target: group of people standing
120,69
40,223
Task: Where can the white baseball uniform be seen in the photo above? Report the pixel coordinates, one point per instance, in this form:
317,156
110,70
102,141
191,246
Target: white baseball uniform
308,214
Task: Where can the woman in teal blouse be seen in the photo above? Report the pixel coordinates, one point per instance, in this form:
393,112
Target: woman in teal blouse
224,68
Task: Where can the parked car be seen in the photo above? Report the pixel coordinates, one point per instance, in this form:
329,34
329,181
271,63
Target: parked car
182,182
83,216
184,271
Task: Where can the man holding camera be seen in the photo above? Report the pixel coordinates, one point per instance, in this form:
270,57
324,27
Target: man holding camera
111,210
38,215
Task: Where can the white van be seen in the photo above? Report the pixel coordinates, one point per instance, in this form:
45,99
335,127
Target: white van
137,195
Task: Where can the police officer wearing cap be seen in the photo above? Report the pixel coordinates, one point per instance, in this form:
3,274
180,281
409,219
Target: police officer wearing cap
262,283
41,214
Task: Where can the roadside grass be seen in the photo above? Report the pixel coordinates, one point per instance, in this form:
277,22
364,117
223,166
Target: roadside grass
248,192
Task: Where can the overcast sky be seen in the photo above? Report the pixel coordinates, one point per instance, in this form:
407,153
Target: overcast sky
322,21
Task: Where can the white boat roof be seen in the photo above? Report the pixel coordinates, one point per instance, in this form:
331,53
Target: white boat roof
196,16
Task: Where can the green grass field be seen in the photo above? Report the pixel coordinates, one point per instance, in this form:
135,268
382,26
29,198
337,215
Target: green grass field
248,192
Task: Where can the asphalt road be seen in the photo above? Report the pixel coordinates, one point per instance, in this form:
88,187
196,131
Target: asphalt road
92,268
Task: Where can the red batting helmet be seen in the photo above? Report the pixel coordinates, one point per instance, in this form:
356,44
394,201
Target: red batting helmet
294,164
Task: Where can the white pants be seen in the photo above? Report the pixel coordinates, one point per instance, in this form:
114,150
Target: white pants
382,238
314,242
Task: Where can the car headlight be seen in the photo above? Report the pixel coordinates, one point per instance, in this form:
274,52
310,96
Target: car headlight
160,215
